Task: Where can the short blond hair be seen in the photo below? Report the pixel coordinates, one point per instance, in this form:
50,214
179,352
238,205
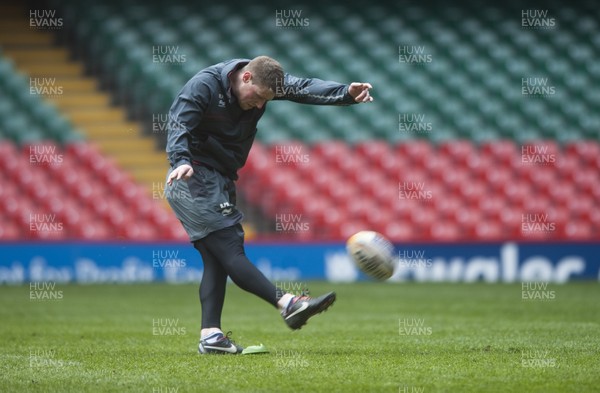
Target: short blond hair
266,72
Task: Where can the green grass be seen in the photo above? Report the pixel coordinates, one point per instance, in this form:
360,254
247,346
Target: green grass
100,338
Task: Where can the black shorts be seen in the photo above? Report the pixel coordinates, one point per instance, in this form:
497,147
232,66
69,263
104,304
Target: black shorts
205,203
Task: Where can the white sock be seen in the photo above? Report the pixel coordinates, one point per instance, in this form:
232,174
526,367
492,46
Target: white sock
211,336
284,301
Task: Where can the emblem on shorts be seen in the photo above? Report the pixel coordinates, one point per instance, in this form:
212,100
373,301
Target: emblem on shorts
226,208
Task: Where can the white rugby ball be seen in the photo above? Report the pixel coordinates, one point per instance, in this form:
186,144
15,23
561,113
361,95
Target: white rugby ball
372,253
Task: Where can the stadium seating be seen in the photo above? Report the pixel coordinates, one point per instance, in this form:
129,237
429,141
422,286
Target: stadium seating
73,192
25,118
470,161
467,89
60,186
476,192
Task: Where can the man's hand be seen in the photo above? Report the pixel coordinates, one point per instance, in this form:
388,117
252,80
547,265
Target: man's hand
360,91
184,172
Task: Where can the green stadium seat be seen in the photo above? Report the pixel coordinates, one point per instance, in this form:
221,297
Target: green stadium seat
469,71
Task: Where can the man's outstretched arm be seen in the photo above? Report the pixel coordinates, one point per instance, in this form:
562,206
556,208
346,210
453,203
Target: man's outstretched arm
318,92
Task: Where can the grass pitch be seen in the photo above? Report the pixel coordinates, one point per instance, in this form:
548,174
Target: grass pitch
375,338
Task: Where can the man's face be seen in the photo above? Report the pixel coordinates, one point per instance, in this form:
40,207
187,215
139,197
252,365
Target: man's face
250,95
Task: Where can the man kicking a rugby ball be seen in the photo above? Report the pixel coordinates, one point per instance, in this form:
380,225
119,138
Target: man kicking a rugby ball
211,128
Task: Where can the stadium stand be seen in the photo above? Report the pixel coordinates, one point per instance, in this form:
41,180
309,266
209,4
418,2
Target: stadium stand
454,125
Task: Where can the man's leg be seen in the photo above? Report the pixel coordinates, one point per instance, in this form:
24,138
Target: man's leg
228,245
212,290
212,297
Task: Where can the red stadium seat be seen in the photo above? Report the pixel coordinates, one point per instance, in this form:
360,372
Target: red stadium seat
473,191
374,151
332,151
398,230
567,166
139,231
444,230
17,207
385,193
173,231
479,165
447,206
581,206
418,151
578,230
517,191
585,179
437,167
84,152
8,154
540,204
350,228
8,189
586,151
503,150
94,231
561,194
459,151
476,192
9,230
489,230
456,179
491,206
422,215
498,178
354,166
394,164
468,217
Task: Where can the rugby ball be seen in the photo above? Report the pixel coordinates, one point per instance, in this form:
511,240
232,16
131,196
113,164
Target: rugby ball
372,253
